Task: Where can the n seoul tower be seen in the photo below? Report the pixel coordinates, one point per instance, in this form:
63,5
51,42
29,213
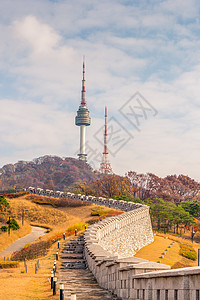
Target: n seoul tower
83,119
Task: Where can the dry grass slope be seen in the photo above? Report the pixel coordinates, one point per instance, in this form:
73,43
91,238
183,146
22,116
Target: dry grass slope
153,251
36,213
58,221
18,285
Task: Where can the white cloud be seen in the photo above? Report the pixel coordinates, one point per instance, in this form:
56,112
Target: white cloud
35,129
41,37
181,8
150,47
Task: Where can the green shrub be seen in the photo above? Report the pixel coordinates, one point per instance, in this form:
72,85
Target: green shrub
96,213
190,255
4,228
11,190
78,226
99,212
8,264
4,205
13,224
188,251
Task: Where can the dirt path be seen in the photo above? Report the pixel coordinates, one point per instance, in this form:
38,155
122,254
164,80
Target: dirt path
29,238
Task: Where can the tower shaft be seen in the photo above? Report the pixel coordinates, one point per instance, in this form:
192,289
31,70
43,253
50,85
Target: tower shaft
82,141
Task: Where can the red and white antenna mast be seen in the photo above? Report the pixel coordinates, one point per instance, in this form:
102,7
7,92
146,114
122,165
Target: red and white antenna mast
105,167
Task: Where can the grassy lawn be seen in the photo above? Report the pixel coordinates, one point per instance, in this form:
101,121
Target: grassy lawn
153,251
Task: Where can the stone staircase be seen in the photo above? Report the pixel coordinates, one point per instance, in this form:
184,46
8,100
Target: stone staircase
76,277
72,255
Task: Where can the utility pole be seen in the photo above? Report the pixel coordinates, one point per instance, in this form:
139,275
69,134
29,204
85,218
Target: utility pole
9,226
22,216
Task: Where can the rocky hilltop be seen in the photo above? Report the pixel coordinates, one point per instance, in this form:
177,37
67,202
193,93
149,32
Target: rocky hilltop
48,172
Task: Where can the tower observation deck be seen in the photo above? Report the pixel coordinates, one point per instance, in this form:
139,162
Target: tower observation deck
83,119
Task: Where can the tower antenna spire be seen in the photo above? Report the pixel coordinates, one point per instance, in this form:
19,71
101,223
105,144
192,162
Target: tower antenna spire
105,167
83,119
83,101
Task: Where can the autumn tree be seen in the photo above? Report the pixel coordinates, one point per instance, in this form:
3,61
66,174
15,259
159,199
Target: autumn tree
85,189
171,188
111,185
4,205
139,184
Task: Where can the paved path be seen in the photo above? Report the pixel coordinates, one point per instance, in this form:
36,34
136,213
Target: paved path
29,238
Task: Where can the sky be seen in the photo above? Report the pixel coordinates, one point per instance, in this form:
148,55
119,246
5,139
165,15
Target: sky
142,60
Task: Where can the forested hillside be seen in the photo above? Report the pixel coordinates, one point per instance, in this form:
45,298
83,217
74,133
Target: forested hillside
56,173
48,172
171,188
174,200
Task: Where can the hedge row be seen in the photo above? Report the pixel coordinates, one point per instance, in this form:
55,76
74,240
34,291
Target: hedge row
8,264
188,251
16,195
57,202
32,251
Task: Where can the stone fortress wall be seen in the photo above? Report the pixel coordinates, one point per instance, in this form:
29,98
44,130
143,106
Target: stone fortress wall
110,246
